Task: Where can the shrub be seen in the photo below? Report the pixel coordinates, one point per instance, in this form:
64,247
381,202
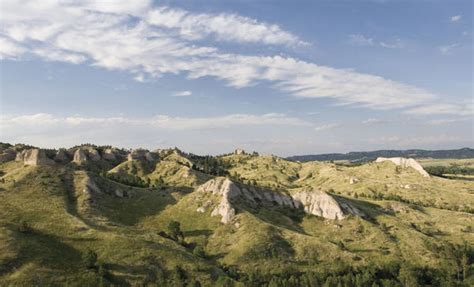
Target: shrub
89,259
24,227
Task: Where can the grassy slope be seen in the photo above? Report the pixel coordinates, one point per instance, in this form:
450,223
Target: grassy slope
123,231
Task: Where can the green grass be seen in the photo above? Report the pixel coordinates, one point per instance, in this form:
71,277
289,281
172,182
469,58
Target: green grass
65,221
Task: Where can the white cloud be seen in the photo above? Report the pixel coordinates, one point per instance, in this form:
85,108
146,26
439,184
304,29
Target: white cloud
222,27
459,109
448,121
326,127
374,121
393,44
360,40
120,37
183,94
456,18
44,120
447,49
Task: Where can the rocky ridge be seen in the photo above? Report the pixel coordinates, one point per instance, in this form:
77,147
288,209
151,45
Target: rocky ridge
405,163
312,201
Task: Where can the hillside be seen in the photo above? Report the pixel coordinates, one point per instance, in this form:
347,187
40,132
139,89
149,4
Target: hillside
372,155
95,215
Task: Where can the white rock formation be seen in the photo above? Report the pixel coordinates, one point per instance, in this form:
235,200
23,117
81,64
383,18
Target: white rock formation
140,154
239,151
93,154
405,163
312,201
319,203
34,157
80,156
353,180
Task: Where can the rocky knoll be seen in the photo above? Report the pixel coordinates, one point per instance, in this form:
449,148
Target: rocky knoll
313,202
81,155
405,163
33,157
141,154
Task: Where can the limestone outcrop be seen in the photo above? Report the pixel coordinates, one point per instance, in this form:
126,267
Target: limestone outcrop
84,154
33,157
141,154
313,202
80,156
319,203
405,163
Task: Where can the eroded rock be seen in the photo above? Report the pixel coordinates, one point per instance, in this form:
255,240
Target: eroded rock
405,163
313,202
34,157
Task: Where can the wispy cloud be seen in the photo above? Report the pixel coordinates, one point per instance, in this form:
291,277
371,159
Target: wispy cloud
150,42
393,44
360,40
456,18
326,127
448,49
183,94
221,27
374,121
45,120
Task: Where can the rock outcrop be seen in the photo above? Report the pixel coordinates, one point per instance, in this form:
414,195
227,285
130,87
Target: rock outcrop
319,203
109,154
80,156
313,202
405,163
93,154
141,154
33,157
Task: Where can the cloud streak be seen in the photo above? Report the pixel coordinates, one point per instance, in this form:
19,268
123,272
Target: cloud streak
45,120
150,42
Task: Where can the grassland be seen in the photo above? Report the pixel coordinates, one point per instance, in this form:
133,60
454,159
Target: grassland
51,215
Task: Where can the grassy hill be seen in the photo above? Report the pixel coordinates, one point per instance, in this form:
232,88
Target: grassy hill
54,218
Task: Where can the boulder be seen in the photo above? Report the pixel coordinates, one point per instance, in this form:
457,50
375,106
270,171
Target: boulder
353,180
34,157
405,163
239,151
119,193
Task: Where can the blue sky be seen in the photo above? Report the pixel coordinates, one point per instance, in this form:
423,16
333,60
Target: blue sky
281,77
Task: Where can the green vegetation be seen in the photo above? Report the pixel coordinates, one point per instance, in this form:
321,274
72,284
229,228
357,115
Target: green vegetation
136,223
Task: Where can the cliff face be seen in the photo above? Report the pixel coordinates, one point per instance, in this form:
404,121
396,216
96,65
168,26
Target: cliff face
405,163
33,157
313,202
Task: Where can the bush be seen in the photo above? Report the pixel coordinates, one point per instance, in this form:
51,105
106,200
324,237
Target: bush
89,259
199,251
24,227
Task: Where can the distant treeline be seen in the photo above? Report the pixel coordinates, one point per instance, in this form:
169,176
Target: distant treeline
372,155
443,170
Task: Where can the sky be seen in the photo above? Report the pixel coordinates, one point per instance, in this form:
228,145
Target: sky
277,77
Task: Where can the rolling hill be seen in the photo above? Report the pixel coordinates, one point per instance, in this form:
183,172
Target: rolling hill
92,215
